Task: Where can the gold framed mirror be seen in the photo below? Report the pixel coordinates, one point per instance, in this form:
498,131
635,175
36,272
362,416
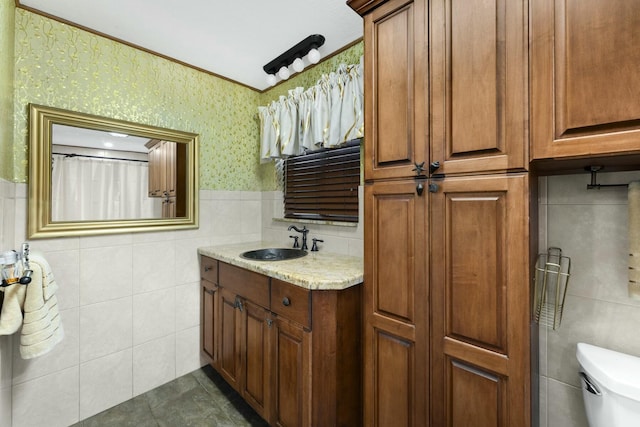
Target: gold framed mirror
95,175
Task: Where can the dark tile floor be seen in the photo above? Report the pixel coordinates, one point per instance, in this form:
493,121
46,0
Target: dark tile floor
201,398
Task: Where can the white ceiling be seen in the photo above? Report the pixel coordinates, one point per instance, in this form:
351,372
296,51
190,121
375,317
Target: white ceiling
231,38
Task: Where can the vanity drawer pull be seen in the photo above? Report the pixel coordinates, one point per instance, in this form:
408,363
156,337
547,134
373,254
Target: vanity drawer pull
286,302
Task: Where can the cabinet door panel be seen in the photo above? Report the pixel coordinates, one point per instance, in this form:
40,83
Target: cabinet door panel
395,218
478,85
480,301
170,167
292,363
394,381
585,59
395,78
255,358
476,235
474,398
396,310
209,298
229,340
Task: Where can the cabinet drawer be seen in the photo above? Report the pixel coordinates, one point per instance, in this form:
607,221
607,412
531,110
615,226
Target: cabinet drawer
291,302
245,283
209,269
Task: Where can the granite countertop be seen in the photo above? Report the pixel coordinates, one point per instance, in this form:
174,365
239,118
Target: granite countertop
317,271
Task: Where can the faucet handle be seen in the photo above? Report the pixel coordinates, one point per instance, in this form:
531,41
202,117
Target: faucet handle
314,247
295,241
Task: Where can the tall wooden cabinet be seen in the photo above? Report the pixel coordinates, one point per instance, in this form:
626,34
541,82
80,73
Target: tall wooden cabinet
447,250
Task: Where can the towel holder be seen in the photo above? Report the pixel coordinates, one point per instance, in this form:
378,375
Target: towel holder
594,179
552,273
15,268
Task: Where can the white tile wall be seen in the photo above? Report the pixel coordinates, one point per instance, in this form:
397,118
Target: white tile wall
129,305
50,400
188,350
105,382
591,228
105,328
154,363
347,240
154,315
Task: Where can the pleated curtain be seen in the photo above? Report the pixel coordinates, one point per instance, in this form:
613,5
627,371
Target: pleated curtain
325,115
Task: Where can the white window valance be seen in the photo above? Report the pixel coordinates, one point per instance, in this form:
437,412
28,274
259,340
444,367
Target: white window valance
323,116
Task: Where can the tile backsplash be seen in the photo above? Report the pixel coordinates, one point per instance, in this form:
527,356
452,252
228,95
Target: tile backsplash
591,228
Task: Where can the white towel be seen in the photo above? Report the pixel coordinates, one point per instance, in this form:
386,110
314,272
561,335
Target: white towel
11,314
42,328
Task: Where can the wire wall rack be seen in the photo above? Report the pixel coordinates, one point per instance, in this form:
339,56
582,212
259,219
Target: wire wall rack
552,274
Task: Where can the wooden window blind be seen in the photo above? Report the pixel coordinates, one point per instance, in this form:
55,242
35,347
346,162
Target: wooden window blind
323,185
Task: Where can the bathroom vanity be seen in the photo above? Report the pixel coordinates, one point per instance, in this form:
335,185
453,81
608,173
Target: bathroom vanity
285,334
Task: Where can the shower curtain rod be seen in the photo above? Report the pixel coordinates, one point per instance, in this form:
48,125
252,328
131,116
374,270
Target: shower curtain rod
100,157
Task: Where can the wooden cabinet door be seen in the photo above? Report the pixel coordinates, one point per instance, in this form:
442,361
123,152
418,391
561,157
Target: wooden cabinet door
170,155
396,309
155,170
478,85
585,57
291,374
480,302
229,350
256,361
396,114
209,298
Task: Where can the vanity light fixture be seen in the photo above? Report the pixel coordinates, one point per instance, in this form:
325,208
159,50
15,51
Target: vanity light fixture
280,66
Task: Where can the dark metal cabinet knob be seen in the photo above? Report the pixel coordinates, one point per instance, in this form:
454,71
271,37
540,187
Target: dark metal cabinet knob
286,302
433,166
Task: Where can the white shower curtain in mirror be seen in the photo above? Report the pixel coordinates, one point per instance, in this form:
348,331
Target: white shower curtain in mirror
323,116
88,189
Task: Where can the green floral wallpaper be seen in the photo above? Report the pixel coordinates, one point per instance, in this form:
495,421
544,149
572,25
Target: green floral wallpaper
6,88
62,66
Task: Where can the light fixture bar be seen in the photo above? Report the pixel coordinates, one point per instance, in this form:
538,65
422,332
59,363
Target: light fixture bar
314,41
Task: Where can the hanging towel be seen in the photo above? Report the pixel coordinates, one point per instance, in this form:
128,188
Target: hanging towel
11,314
42,328
634,239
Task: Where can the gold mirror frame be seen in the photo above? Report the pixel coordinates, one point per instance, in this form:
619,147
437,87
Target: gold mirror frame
40,224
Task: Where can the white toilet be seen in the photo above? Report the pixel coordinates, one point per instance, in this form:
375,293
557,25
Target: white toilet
610,386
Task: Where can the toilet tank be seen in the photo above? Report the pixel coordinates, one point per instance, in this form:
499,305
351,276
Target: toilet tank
611,388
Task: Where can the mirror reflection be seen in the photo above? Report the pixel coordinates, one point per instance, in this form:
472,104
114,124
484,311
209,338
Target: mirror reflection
91,175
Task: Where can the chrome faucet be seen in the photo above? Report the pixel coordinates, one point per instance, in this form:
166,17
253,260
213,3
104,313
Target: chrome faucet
304,231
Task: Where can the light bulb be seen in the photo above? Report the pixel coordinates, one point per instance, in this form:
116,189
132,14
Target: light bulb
314,56
298,65
284,73
271,79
